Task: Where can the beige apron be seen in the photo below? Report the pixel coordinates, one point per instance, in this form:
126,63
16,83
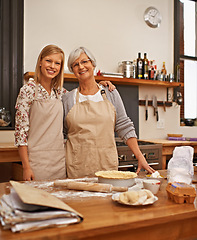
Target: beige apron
91,144
45,139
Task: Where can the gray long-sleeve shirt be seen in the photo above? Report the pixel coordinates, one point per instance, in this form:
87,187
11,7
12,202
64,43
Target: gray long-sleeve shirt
123,126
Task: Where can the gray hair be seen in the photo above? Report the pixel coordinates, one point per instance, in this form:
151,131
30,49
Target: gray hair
76,54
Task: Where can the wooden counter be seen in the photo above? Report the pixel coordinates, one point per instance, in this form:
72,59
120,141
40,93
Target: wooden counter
168,147
9,153
107,220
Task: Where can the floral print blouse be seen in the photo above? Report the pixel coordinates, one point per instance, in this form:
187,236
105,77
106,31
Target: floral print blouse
23,104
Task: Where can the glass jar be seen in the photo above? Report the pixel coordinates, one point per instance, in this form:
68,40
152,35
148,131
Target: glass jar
127,69
5,117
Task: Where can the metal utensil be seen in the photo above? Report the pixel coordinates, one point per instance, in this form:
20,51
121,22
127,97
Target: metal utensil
155,107
154,104
146,108
164,106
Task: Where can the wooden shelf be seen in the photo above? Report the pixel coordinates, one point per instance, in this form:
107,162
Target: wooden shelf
119,81
6,128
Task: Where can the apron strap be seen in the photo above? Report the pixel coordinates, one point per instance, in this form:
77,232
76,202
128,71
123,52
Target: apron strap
103,94
77,96
55,91
102,91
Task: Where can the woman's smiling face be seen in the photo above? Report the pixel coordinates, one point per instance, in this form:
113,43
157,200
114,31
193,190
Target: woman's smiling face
82,67
50,65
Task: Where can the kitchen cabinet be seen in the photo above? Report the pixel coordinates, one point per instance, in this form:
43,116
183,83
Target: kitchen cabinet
119,81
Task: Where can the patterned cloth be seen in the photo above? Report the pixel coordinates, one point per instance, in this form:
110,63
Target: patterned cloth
23,104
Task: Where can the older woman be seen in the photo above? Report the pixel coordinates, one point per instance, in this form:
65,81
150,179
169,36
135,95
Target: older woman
91,115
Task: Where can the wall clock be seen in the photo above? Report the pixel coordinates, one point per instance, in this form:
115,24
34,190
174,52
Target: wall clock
152,17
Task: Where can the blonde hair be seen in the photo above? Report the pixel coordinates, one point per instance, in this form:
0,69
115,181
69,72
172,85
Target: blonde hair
76,54
58,81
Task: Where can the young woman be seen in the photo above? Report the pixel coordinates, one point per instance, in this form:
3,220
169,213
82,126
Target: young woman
38,128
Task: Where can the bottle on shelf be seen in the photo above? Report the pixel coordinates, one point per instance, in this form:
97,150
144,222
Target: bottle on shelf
151,70
139,67
155,72
159,75
177,73
145,67
163,70
134,69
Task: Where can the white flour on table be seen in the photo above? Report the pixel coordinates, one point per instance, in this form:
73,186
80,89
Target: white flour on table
59,192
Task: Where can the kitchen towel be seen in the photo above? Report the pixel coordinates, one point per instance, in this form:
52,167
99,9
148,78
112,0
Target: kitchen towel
27,209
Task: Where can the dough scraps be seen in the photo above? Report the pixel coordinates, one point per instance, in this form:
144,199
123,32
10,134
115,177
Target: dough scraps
140,197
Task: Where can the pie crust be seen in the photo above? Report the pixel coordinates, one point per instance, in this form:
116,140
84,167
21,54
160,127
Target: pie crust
113,174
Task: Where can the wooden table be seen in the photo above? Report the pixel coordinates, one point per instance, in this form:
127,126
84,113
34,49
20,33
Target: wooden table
9,152
9,169
168,147
105,219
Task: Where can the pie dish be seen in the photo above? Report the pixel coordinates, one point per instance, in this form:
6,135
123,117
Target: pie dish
117,178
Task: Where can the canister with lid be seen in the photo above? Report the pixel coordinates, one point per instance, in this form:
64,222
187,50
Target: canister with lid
127,67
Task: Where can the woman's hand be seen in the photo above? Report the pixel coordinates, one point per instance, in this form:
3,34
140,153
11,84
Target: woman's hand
109,84
142,163
28,174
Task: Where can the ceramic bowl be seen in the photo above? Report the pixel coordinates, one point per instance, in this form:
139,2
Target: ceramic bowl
160,179
152,184
117,182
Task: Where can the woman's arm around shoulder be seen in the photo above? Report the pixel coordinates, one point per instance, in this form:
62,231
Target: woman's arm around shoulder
68,103
124,126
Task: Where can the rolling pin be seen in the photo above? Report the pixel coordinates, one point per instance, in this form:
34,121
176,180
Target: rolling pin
88,186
